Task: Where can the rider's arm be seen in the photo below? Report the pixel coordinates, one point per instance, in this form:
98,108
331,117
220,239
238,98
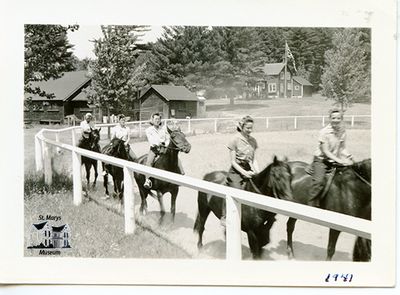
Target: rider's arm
255,167
325,150
128,138
113,132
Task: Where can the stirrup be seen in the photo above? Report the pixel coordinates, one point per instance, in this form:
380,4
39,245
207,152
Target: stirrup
147,184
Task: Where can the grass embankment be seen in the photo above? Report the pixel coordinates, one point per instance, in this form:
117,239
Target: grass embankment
95,231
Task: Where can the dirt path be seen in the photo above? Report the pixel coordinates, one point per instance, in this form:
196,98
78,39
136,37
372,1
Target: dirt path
310,240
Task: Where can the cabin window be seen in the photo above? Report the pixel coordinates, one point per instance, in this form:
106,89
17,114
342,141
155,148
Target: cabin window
272,87
296,87
289,86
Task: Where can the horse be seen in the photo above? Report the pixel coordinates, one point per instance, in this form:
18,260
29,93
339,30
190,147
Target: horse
168,160
116,148
273,181
349,193
91,144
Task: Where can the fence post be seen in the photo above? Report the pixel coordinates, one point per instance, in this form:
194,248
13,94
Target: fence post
77,177
189,129
352,121
129,202
215,125
38,153
73,133
48,171
323,121
58,140
295,122
233,230
267,122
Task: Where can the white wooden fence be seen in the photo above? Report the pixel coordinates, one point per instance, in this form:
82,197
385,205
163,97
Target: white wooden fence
214,125
234,197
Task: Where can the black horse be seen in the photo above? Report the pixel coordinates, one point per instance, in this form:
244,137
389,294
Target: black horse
349,193
116,148
91,144
273,181
168,160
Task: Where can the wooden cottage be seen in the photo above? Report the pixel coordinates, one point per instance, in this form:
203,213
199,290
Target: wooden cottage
301,87
272,84
70,99
172,101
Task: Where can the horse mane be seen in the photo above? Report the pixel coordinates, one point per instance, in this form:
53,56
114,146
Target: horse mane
363,168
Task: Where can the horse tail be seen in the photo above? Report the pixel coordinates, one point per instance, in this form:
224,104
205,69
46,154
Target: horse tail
362,250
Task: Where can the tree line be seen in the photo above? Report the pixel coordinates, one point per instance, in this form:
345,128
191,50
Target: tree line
220,61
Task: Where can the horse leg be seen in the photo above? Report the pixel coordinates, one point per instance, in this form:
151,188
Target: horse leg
143,204
290,225
87,169
201,217
255,247
333,237
162,209
174,194
105,183
95,173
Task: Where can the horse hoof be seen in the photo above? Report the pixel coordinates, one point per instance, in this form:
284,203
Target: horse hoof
106,197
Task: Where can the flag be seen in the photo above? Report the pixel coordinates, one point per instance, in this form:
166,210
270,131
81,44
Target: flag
290,55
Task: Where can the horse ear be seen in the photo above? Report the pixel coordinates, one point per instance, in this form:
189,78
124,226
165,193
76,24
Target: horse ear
285,159
169,130
99,129
275,160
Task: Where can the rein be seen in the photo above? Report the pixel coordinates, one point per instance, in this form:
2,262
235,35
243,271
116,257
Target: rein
256,188
361,178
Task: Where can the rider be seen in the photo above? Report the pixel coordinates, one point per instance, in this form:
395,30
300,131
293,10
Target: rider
122,132
86,125
331,149
242,150
158,138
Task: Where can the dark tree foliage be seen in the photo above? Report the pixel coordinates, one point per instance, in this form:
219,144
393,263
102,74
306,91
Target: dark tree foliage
48,55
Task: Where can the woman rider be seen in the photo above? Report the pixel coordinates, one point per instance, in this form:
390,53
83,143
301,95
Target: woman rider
242,150
122,132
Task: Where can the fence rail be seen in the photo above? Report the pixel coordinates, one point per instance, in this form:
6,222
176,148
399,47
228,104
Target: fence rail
234,197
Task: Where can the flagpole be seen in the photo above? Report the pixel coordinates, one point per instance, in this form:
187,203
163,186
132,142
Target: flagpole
285,69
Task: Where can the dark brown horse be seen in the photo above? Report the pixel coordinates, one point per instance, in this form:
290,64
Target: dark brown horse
116,148
168,160
349,193
273,181
91,144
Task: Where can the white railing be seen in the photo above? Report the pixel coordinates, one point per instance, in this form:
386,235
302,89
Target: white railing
234,197
215,125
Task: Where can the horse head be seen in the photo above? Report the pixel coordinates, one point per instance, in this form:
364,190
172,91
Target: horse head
280,179
178,139
94,138
118,149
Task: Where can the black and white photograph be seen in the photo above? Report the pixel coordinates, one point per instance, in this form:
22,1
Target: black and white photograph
206,146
